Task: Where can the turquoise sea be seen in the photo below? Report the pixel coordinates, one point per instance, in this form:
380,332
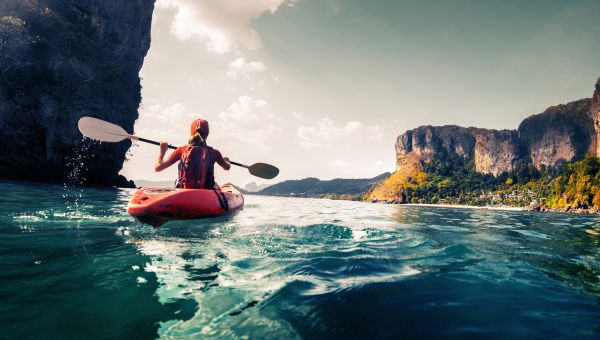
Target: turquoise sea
73,264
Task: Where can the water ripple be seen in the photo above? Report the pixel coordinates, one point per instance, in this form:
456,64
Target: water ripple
293,268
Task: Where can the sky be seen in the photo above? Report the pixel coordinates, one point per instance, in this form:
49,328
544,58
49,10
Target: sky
322,88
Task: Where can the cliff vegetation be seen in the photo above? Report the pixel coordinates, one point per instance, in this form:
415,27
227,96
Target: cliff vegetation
571,186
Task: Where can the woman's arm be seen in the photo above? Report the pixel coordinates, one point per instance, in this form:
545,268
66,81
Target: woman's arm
160,163
226,165
222,161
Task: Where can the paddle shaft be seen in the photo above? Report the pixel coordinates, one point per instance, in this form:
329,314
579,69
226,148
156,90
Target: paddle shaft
149,141
239,164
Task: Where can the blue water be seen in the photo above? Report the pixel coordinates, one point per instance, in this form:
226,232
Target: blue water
73,264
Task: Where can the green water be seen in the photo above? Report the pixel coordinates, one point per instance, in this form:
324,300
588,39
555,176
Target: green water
73,264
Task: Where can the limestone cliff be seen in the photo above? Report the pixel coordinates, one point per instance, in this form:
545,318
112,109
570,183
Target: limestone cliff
428,142
493,151
560,133
496,151
60,60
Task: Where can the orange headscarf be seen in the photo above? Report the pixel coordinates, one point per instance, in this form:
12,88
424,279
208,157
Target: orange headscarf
201,125
199,131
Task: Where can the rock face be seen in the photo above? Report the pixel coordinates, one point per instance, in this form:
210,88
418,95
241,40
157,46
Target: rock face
493,151
61,60
496,151
595,113
560,133
429,142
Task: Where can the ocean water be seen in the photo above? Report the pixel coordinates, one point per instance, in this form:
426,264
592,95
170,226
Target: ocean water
73,264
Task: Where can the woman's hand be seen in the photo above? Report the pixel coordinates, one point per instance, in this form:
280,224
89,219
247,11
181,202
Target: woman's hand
160,164
227,164
164,146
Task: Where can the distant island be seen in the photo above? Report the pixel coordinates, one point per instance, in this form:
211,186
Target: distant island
253,187
339,188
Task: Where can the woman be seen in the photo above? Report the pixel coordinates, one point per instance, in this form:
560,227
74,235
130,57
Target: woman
196,159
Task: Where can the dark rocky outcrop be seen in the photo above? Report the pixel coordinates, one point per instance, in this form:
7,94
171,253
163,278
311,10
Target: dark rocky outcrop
561,133
61,60
595,113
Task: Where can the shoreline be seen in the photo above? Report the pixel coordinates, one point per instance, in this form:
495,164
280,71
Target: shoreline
463,206
505,208
570,210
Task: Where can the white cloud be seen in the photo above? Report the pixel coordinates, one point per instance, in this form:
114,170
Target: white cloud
247,121
171,114
243,68
169,123
245,109
223,24
326,131
340,164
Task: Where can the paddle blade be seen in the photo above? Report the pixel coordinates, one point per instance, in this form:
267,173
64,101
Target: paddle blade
262,170
101,130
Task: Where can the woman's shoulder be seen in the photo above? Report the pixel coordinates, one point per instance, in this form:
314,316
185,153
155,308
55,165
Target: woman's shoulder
180,150
217,155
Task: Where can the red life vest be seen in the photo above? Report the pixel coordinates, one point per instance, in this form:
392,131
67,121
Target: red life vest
197,168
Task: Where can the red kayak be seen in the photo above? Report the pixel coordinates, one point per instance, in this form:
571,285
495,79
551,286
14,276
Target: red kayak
157,206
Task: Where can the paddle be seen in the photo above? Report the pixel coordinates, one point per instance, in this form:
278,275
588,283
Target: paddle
104,131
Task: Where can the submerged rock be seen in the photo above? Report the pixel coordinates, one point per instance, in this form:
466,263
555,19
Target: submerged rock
534,206
61,60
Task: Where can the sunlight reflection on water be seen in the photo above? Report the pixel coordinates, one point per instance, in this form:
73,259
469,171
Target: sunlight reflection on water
293,268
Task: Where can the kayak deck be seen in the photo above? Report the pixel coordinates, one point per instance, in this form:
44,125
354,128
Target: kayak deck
156,206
